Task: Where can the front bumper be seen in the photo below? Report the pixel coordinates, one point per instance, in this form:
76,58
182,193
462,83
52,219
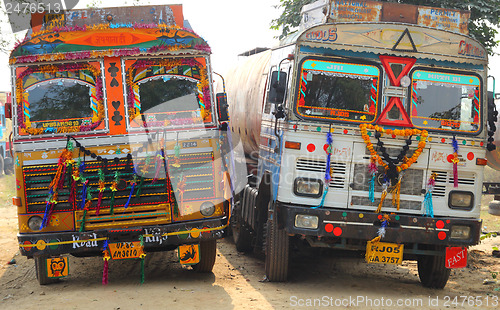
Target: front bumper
155,237
350,224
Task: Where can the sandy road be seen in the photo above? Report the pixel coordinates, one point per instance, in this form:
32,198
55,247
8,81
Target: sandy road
323,282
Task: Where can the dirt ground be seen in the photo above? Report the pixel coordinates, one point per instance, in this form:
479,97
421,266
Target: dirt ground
332,282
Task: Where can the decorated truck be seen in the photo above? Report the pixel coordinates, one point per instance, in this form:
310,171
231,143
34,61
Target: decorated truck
365,130
119,146
6,163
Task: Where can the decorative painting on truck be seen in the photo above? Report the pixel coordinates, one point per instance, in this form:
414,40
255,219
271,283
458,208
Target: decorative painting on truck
45,93
338,91
446,101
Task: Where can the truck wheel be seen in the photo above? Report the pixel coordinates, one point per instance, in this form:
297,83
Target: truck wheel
208,252
277,251
8,166
241,233
1,165
432,271
41,271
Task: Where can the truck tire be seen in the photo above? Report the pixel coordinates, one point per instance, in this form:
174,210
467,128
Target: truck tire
41,271
277,251
241,232
208,252
494,207
1,165
8,166
432,271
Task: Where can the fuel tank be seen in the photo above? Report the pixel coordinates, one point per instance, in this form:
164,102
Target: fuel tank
246,87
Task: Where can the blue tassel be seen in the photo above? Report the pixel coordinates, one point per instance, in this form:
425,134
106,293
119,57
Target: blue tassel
371,193
427,204
129,196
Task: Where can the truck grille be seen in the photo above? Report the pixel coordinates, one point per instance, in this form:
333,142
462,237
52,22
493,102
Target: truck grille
151,206
338,170
411,184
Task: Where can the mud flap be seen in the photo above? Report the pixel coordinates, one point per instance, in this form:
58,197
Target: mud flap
57,267
456,257
189,254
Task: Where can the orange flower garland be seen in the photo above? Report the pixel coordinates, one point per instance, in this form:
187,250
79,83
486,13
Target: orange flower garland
407,161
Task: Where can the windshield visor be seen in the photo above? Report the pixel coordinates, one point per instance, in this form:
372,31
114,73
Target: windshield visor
59,99
446,101
338,91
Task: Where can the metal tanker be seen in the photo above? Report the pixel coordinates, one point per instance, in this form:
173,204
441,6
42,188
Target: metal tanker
366,130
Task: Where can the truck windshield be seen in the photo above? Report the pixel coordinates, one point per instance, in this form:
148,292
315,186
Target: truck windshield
57,97
338,91
168,93
446,101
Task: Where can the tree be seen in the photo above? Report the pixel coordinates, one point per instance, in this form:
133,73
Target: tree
485,16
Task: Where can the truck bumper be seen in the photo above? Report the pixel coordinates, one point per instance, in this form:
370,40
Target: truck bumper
159,237
350,224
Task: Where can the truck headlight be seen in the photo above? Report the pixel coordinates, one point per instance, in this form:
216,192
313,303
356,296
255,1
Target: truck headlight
306,221
308,187
460,232
207,208
461,200
35,222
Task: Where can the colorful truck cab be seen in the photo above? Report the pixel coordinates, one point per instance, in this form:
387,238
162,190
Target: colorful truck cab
118,146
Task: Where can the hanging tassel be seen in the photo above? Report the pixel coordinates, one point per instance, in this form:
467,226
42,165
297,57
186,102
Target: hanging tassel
454,143
139,188
105,268
88,204
159,160
381,231
372,169
106,257
328,176
427,203
385,186
114,188
102,188
143,256
82,226
133,183
396,192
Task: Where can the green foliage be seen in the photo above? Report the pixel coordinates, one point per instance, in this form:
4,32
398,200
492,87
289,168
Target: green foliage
485,14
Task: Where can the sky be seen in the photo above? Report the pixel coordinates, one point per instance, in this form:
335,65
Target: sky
229,26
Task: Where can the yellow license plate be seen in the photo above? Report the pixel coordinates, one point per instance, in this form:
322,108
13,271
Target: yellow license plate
384,253
124,250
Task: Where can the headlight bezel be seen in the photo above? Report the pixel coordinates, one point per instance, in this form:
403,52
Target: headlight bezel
301,218
451,198
465,228
296,187
31,222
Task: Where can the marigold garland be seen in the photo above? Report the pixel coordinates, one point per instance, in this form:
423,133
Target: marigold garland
407,161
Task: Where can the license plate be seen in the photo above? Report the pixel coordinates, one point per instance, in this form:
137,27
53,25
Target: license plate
384,253
124,250
189,144
189,254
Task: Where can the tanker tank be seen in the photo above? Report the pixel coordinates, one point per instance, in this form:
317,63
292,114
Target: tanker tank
245,84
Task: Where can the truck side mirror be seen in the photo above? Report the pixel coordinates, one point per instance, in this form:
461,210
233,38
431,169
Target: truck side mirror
8,110
222,107
278,86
